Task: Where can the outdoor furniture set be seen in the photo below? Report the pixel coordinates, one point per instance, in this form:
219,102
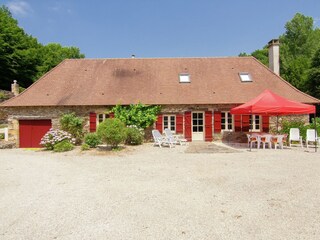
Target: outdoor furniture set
168,139
258,139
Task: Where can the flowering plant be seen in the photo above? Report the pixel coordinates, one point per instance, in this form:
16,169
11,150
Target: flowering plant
54,136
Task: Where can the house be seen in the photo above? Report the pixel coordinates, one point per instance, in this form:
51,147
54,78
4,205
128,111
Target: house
196,94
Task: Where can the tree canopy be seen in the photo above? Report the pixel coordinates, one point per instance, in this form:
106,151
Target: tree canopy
22,57
314,76
298,45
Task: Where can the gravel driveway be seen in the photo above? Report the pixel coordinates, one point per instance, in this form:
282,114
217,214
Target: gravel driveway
152,193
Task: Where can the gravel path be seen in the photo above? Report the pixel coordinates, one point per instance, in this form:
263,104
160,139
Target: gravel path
152,193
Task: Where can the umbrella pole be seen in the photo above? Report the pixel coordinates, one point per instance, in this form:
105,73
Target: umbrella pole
250,130
315,130
277,124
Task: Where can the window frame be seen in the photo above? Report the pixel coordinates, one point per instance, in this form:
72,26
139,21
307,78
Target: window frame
245,74
227,114
184,75
169,122
253,127
104,117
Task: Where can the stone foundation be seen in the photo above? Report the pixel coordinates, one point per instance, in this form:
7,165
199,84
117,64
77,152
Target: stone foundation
54,113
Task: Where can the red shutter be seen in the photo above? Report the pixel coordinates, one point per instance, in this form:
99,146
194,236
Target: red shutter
217,121
159,123
265,123
245,123
237,123
93,122
187,126
208,126
111,115
179,123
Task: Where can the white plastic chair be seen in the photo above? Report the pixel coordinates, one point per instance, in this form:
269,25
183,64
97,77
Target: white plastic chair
278,141
161,140
174,138
253,139
265,139
295,136
312,137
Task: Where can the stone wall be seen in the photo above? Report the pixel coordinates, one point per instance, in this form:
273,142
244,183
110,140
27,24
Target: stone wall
53,113
4,95
276,122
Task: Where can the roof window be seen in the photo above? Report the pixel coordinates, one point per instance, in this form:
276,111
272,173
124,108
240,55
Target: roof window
245,77
184,77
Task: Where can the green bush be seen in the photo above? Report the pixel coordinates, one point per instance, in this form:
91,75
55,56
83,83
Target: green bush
85,147
74,125
313,125
92,139
3,95
63,146
286,125
112,131
134,136
1,136
139,115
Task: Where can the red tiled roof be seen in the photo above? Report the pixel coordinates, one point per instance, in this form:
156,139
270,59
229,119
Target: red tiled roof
154,81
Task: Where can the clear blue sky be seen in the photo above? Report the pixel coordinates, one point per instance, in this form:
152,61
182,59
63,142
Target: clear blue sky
159,28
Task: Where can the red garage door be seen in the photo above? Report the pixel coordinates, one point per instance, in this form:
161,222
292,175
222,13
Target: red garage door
31,132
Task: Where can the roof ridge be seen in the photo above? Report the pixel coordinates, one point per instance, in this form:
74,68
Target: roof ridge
149,58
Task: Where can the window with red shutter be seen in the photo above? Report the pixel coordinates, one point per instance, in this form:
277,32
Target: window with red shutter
159,123
208,126
179,124
217,121
93,122
187,126
265,123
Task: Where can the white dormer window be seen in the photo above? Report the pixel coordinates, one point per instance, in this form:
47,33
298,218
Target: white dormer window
245,77
184,78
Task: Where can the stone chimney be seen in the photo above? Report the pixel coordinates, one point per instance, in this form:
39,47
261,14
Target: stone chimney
15,88
274,56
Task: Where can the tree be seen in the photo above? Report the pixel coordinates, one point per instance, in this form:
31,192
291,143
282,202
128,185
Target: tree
313,80
297,46
53,53
22,57
18,52
260,54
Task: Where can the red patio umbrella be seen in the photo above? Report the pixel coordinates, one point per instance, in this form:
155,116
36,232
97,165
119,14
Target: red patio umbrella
271,104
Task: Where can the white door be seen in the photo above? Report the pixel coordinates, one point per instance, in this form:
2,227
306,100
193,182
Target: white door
197,126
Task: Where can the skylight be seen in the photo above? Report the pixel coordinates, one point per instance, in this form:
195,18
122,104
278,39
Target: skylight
184,77
245,77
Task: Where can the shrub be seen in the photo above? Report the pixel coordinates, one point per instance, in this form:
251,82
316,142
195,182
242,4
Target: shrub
72,124
112,131
139,114
3,96
1,136
286,125
63,146
92,139
85,147
134,136
313,125
54,136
